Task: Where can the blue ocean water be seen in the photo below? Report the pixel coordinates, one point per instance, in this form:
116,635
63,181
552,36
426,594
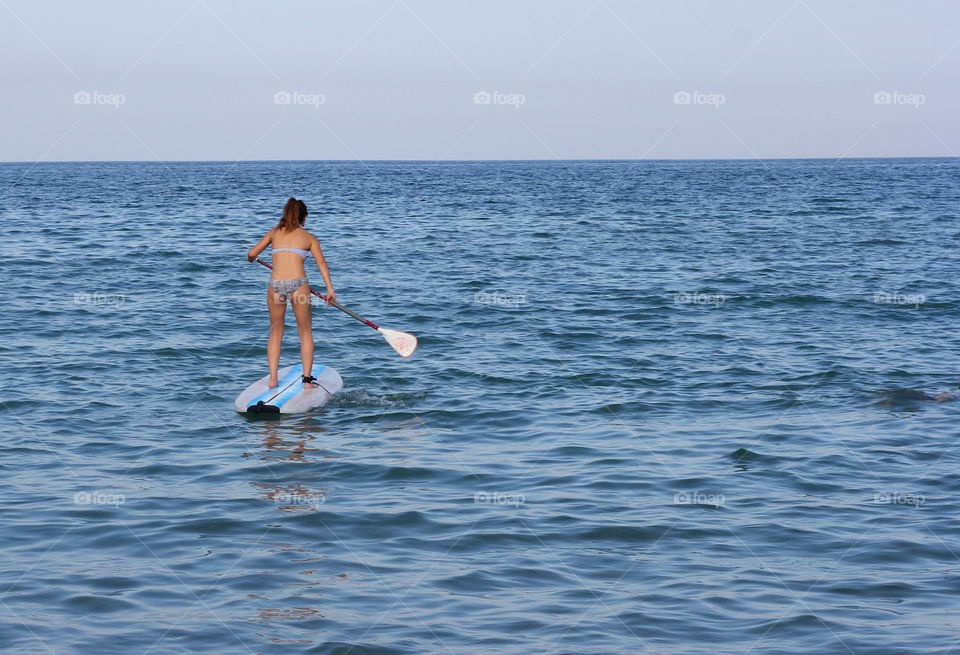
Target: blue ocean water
657,407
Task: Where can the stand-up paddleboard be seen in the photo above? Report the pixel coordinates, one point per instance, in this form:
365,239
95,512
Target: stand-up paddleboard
289,396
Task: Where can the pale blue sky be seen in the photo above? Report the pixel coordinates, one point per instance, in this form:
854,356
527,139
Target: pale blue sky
199,79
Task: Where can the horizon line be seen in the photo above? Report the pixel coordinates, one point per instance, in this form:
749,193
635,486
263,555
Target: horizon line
456,161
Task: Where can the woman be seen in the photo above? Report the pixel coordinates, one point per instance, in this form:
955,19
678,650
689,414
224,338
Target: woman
291,244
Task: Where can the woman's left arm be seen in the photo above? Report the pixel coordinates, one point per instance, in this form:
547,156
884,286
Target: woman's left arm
257,249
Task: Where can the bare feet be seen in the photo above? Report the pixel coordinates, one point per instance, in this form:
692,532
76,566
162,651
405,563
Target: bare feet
273,381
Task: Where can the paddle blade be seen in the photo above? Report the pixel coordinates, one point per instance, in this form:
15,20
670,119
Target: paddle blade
402,342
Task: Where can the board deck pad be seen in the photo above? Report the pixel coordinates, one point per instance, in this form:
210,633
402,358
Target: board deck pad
289,396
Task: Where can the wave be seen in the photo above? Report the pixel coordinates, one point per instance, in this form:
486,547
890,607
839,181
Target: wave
360,398
902,397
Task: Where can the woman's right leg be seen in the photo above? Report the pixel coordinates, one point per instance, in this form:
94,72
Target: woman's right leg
277,309
302,310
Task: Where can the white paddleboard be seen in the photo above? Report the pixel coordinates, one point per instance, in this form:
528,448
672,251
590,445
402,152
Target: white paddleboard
289,396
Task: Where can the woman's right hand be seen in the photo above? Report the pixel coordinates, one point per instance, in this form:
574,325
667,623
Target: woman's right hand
331,296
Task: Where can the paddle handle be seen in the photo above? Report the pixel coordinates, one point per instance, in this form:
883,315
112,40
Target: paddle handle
347,311
334,303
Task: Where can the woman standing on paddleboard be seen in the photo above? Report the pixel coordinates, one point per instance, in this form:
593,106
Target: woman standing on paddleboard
291,244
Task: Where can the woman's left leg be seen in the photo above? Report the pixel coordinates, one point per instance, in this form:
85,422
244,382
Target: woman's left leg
277,309
302,310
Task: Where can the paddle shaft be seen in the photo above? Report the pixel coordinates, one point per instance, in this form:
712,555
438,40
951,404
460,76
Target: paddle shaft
334,303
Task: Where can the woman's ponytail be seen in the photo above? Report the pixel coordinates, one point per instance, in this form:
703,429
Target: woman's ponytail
291,215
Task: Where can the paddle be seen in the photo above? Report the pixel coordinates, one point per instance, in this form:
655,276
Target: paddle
402,342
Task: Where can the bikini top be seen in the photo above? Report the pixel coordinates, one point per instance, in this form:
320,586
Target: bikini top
299,251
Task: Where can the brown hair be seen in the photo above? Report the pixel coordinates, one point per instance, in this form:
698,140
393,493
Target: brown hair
294,213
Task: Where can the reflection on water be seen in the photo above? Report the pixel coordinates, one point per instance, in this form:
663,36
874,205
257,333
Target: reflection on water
292,498
286,441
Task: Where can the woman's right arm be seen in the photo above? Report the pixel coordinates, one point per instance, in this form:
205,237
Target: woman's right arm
324,270
257,249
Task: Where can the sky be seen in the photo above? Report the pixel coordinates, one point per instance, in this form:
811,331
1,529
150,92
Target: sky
478,79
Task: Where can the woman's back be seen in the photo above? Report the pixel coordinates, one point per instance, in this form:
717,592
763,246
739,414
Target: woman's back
290,249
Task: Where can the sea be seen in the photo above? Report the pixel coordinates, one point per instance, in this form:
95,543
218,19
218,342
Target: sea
657,407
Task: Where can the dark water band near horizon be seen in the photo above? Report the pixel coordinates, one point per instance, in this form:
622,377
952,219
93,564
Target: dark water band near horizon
657,407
